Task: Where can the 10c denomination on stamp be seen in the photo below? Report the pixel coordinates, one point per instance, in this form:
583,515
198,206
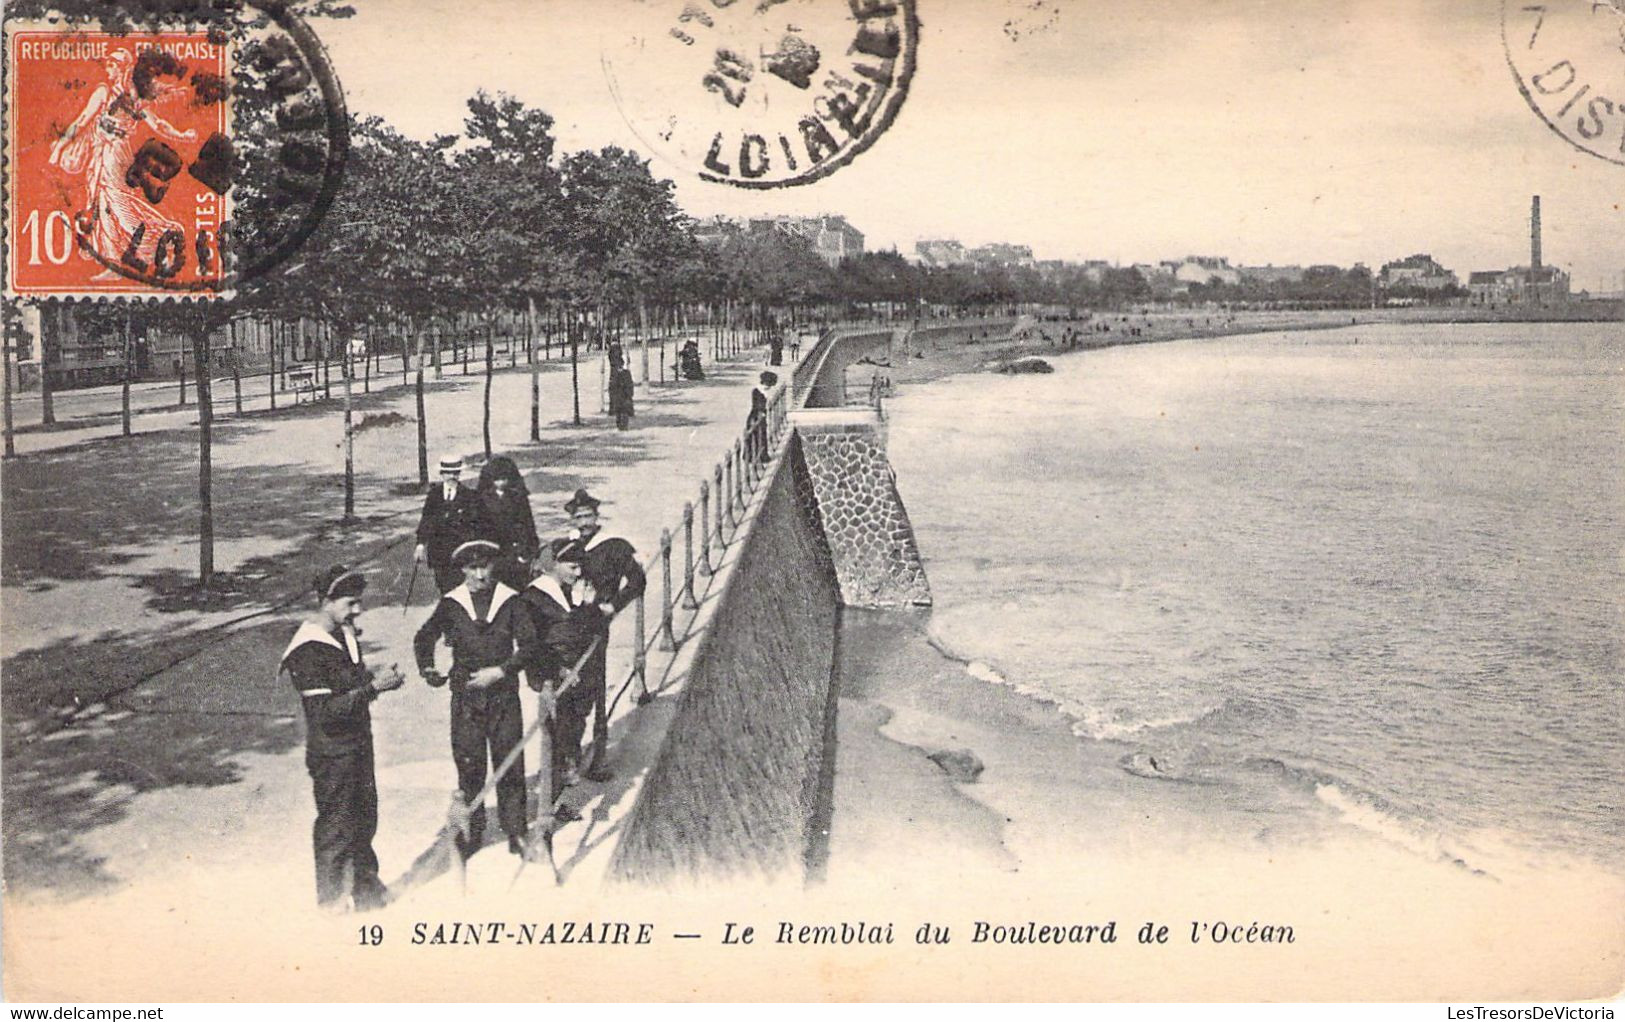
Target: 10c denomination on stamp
764,93
119,161
1568,57
181,156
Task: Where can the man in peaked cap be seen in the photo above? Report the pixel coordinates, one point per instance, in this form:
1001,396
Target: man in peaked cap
452,515
323,661
565,628
492,639
611,578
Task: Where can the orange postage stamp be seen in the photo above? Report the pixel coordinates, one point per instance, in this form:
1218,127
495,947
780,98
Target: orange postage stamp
119,162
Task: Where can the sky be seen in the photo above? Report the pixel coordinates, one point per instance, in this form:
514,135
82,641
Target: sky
1277,131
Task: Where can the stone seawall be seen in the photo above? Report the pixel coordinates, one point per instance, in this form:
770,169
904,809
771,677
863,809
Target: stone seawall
853,490
736,787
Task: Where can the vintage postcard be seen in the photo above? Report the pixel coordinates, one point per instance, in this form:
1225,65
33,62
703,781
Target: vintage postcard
813,500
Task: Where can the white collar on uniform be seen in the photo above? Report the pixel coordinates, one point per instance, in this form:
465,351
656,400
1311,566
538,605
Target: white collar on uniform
500,594
550,585
597,538
309,631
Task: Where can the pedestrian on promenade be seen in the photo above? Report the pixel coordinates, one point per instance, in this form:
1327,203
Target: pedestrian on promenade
775,343
451,517
505,512
689,360
567,620
756,421
492,639
611,579
323,662
620,387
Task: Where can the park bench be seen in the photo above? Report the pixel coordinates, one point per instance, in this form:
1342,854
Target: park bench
302,382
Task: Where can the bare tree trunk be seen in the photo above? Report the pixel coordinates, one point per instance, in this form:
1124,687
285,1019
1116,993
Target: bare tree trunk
5,368
573,331
124,391
47,410
490,341
643,324
535,372
272,344
423,422
205,440
349,440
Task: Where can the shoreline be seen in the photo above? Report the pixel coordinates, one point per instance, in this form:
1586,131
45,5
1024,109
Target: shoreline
1064,825
933,361
1057,830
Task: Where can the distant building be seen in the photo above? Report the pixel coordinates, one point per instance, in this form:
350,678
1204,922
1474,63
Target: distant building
1520,285
1535,284
1206,270
1416,271
712,229
941,252
1095,269
1001,254
1271,274
830,236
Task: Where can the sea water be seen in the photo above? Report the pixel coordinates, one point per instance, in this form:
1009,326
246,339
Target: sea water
1377,568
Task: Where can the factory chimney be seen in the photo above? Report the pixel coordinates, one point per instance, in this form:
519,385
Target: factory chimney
1534,233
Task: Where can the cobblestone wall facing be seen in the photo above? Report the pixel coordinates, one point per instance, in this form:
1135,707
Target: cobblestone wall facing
854,499
735,789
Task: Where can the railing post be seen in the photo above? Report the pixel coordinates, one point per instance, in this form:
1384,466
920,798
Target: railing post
667,640
640,655
705,526
728,487
739,477
688,557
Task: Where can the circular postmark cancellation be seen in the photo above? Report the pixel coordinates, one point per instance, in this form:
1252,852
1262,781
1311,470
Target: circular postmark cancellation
763,93
1568,57
162,159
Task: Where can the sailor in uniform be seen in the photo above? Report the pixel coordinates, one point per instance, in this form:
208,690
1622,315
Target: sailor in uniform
566,622
611,578
323,661
492,639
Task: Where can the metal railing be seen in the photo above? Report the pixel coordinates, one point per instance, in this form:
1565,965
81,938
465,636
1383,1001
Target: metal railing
724,500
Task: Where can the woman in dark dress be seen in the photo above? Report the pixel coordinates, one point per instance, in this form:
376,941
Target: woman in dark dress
620,387
508,522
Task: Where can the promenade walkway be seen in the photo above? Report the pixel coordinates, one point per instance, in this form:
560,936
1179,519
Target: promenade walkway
150,754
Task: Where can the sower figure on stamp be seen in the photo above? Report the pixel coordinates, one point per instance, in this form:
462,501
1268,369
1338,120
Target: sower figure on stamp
452,515
323,661
567,620
611,579
492,640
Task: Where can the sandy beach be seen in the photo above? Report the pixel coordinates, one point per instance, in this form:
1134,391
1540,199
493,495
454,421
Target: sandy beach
1060,829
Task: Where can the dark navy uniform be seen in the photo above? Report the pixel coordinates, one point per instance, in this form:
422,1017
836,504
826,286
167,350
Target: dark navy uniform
611,566
333,684
493,630
564,630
